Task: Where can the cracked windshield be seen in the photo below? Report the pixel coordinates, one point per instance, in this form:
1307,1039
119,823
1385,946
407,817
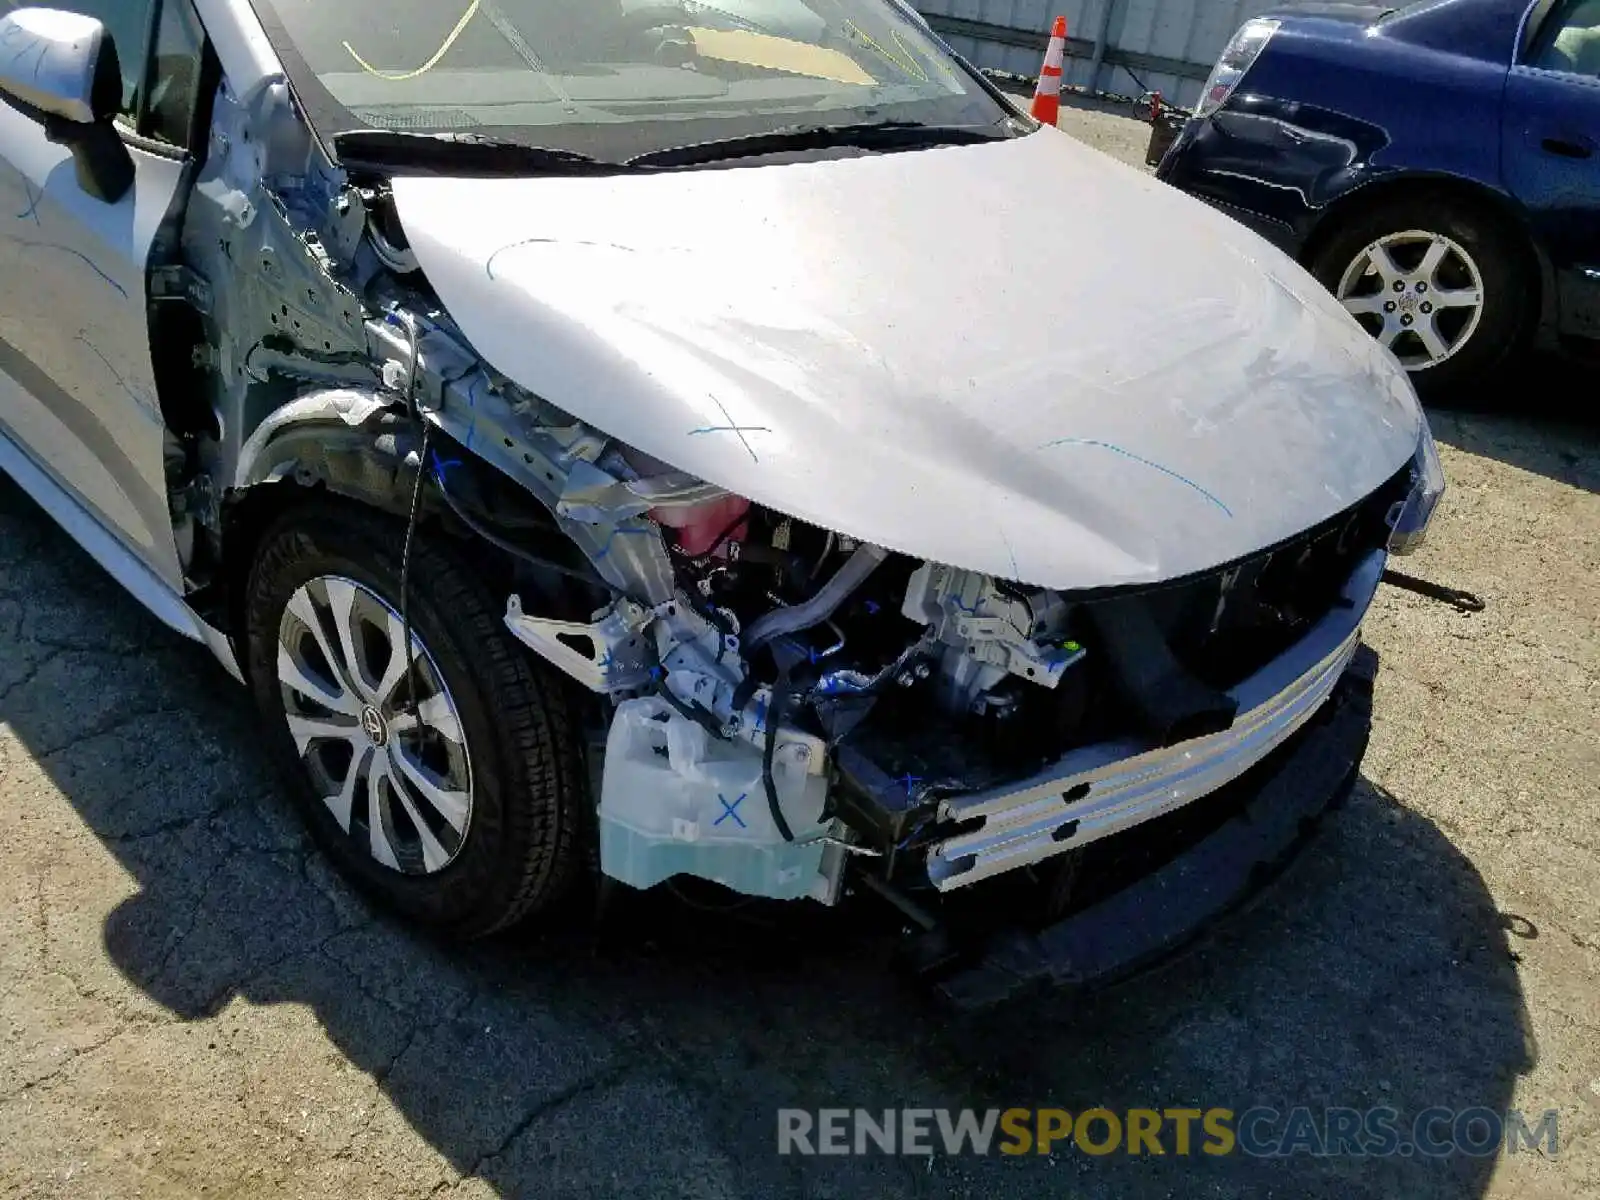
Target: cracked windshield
619,69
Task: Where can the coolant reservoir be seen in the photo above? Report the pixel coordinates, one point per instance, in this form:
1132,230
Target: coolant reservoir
677,801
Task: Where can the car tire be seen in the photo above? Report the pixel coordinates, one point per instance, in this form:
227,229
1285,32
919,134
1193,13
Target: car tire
1477,254
471,813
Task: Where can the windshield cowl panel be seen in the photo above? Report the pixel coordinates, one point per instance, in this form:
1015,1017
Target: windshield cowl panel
613,80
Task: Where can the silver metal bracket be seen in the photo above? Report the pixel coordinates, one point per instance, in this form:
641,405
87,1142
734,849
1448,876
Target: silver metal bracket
611,654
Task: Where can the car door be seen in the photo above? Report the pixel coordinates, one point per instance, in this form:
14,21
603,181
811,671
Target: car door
1551,150
77,386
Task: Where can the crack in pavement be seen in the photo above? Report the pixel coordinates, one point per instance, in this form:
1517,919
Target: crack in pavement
218,1000
381,1076
175,824
194,918
597,1082
29,677
133,653
13,1096
650,1047
104,728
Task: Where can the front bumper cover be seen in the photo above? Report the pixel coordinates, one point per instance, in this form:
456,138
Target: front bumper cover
1162,910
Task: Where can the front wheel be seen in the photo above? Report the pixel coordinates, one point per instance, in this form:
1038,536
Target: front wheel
1440,284
448,786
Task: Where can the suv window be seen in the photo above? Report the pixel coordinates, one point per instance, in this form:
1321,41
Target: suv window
1572,43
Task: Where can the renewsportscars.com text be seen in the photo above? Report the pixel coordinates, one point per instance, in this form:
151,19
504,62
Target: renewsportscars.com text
1260,1131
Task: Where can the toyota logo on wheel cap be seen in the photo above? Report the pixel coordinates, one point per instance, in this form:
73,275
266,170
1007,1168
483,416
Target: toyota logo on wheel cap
377,729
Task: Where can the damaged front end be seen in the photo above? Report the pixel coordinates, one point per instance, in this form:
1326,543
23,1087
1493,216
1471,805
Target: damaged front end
784,709
805,713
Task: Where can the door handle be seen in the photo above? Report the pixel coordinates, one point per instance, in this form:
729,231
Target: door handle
1567,147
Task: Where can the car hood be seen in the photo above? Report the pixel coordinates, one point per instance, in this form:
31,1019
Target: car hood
1018,357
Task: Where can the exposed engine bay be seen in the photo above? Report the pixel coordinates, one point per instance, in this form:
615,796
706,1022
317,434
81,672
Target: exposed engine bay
778,703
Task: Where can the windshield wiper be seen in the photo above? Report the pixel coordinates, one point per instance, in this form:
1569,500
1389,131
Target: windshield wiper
458,152
869,135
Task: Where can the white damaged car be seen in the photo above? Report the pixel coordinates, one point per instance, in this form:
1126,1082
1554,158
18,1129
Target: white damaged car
680,438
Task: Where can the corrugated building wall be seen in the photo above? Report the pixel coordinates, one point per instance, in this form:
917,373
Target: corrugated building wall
1122,46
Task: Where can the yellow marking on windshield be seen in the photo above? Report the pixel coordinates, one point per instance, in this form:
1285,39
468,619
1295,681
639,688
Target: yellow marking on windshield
905,59
396,76
779,54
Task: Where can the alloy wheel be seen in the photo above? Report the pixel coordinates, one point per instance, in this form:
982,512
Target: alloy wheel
1418,293
383,744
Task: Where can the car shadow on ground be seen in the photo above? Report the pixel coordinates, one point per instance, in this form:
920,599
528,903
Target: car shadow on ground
652,1060
1542,417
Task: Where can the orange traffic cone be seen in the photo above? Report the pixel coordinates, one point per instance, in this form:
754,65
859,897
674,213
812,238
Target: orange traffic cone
1047,96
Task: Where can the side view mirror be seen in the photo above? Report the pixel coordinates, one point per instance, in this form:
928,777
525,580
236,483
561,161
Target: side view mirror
61,69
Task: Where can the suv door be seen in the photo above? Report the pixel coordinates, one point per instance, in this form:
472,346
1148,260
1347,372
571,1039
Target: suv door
1551,151
77,386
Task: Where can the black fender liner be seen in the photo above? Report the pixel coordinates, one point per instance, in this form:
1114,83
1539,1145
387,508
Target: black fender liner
374,464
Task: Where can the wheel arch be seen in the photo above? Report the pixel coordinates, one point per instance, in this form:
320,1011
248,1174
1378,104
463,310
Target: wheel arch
299,461
1487,201
316,462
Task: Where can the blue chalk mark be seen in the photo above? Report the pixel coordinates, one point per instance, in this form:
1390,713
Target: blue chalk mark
656,673
439,468
761,715
115,374
729,429
1155,466
909,782
33,204
615,534
732,427
832,686
1015,570
731,810
873,608
488,267
472,403
87,261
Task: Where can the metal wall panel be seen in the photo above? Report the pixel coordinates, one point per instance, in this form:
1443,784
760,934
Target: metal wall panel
1142,38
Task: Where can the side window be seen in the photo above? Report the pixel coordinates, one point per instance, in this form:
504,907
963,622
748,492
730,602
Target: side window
177,69
128,23
1572,41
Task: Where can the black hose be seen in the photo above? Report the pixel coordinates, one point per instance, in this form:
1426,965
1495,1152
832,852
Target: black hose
780,701
1461,601
405,572
692,712
512,548
412,518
